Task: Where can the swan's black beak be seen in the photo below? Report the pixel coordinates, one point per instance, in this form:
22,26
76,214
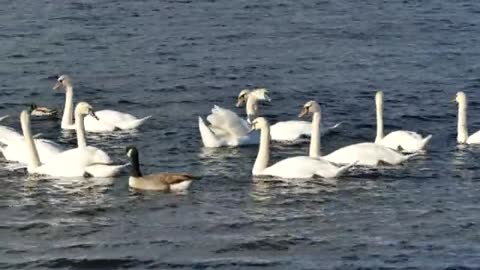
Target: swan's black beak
92,113
303,112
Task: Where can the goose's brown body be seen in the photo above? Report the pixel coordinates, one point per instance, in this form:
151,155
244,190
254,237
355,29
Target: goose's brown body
161,181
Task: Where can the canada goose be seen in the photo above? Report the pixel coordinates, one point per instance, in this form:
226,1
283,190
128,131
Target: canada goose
159,181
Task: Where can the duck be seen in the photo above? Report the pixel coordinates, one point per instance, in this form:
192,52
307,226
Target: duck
283,131
77,162
226,128
400,140
110,120
41,111
462,129
298,167
160,181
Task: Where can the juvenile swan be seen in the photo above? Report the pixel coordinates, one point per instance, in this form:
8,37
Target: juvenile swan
401,140
160,181
462,130
109,120
294,167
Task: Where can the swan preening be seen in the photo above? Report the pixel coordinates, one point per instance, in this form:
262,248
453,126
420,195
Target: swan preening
401,140
462,130
77,162
226,127
159,181
109,120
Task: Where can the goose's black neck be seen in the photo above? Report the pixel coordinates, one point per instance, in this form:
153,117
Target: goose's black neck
135,168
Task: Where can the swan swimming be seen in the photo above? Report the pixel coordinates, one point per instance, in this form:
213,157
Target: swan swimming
462,129
77,162
109,120
293,167
366,154
400,140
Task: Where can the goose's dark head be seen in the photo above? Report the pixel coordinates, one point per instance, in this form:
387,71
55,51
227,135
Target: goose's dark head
131,151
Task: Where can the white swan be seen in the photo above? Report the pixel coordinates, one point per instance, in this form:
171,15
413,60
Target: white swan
294,167
462,130
15,148
367,154
71,163
401,140
227,128
109,120
281,131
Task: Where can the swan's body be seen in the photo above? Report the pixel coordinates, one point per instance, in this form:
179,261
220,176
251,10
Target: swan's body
462,129
367,154
401,140
16,150
71,163
160,181
294,167
109,120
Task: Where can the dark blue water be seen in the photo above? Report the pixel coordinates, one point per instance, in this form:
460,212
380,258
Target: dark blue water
175,60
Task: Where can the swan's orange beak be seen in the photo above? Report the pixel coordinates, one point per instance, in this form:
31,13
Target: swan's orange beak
92,113
303,112
57,85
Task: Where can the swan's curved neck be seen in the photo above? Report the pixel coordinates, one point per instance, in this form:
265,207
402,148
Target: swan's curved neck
315,141
34,160
135,166
67,118
462,130
263,155
380,134
251,108
80,130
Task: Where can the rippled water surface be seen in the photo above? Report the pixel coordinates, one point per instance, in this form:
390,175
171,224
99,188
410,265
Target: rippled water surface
175,60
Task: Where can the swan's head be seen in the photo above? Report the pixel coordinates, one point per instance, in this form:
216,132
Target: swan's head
242,97
63,80
259,123
261,94
379,97
461,98
309,107
84,108
131,151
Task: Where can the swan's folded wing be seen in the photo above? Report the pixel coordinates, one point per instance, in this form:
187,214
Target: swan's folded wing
229,121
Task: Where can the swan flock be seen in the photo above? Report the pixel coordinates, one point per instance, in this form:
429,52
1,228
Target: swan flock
221,128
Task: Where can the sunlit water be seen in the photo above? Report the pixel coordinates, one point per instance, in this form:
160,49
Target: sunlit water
175,60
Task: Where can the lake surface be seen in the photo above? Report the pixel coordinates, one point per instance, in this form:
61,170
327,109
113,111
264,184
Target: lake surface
175,60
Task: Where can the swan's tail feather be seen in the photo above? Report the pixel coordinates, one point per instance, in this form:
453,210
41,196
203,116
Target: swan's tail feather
407,157
4,117
208,137
345,168
133,124
425,141
16,166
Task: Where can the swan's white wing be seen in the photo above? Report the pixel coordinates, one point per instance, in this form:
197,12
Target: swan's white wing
94,125
474,138
209,138
302,167
229,121
8,134
97,155
17,150
120,120
290,130
404,140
